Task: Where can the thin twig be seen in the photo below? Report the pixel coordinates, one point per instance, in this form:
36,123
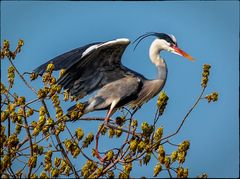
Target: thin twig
29,137
185,117
60,144
23,79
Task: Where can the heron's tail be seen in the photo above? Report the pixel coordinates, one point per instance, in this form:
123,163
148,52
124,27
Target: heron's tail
77,110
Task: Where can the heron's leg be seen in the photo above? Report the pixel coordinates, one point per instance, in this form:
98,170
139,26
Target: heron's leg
109,114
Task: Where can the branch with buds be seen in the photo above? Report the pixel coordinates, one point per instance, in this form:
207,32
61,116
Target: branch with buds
43,153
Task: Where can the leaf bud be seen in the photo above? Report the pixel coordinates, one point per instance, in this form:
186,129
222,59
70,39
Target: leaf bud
88,140
147,129
79,133
133,145
134,123
21,100
50,67
32,161
185,172
181,156
57,162
110,174
76,152
43,175
67,171
103,129
30,112
55,172
174,156
20,43
33,76
111,132
162,102
157,169
109,155
167,162
62,71
141,146
212,97
118,132
34,176
180,171
146,158
158,134
3,116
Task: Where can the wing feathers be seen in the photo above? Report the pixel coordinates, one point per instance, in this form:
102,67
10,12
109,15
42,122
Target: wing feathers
90,67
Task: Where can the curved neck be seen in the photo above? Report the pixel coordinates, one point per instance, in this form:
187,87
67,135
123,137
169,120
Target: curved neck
154,54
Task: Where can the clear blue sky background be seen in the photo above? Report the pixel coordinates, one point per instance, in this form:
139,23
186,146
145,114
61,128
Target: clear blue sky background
206,30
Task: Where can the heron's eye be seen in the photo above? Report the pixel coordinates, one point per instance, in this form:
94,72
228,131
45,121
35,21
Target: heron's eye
172,45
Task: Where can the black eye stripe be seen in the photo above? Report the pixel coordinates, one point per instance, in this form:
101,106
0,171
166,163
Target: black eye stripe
167,38
158,35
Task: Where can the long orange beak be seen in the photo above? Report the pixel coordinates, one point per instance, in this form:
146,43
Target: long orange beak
178,51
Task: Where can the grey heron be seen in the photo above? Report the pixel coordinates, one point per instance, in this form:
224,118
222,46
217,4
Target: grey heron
98,66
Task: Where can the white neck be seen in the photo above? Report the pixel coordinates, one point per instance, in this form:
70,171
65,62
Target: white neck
154,54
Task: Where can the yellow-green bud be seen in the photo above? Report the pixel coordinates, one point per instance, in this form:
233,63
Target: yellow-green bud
57,162
111,132
34,176
133,145
109,155
55,172
162,102
212,97
110,174
118,132
146,158
30,112
79,133
181,157
180,171
50,67
33,76
185,173
88,140
161,151
13,140
67,171
43,175
147,129
174,156
167,161
32,161
157,169
158,134
62,71
184,146
141,146
76,152
103,129
3,116
21,100
134,123
41,93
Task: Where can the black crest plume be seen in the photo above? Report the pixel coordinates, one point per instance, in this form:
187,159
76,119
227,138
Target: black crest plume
156,34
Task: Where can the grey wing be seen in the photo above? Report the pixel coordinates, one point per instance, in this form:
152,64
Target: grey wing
91,68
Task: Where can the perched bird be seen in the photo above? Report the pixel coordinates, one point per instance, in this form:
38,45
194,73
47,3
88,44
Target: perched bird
98,66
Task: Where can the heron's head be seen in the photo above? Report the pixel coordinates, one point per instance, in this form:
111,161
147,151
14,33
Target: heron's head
165,42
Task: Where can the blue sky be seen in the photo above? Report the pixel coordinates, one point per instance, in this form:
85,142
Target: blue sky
206,30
